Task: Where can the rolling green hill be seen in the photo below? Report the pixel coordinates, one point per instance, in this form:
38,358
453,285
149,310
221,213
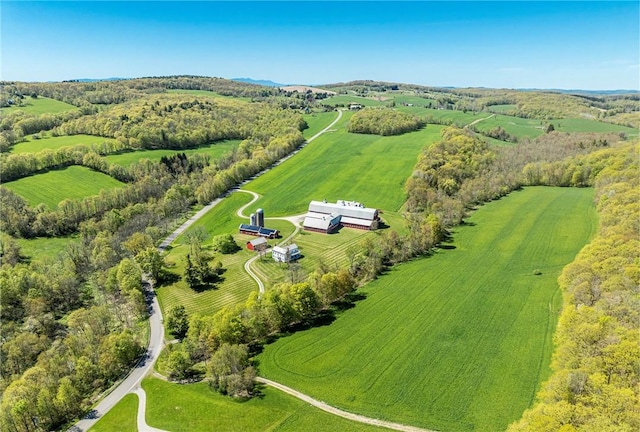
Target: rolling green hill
458,341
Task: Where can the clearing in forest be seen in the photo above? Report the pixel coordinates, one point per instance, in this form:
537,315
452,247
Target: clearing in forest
74,182
458,341
40,105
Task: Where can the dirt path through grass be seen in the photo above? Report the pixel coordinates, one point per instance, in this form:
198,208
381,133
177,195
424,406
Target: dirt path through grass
344,414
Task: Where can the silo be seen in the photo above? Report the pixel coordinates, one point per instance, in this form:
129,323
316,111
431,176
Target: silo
260,217
253,219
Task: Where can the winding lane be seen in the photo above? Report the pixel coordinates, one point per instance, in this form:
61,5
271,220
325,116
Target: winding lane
131,384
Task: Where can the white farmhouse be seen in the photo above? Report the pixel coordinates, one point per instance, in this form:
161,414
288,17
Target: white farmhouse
285,253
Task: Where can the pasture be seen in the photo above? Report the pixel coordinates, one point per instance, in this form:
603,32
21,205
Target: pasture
195,407
340,165
214,150
459,341
586,125
317,122
41,105
450,116
32,145
74,182
346,100
519,127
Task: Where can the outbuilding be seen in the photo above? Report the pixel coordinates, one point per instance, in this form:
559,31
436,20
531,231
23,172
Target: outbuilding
257,244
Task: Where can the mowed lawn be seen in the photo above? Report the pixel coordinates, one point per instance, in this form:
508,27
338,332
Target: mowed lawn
121,418
53,143
195,408
237,284
459,341
214,150
41,105
341,165
74,182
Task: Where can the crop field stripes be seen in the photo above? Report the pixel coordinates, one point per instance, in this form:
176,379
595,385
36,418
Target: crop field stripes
457,341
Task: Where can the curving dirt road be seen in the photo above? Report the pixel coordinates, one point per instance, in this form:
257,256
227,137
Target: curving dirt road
335,411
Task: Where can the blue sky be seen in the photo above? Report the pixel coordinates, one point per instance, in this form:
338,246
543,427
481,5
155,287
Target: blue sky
512,44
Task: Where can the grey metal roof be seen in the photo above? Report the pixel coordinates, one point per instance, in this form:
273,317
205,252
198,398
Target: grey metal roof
320,220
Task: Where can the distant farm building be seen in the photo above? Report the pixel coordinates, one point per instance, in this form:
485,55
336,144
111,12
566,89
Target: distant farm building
327,217
257,244
256,226
285,253
355,107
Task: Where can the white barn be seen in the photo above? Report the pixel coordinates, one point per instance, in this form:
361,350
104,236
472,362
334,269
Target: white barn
352,214
320,222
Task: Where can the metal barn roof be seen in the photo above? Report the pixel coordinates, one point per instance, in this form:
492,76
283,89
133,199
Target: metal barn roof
344,208
320,220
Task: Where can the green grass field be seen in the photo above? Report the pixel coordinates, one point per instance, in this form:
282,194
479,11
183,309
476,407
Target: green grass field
500,109
214,150
346,100
459,341
456,117
586,125
74,182
195,408
42,248
53,143
317,122
121,418
519,127
340,165
41,105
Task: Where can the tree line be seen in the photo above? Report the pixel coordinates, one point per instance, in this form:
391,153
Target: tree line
595,381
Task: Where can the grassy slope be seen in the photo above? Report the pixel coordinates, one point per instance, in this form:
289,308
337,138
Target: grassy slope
195,407
121,418
41,105
214,150
50,188
457,341
207,93
36,145
237,284
222,219
339,165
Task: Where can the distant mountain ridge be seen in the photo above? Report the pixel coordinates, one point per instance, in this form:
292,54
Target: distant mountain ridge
267,83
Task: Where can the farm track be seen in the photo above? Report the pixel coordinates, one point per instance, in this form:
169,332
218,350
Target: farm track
338,412
156,337
156,328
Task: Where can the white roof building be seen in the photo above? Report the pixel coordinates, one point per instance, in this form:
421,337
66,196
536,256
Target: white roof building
285,254
321,222
352,214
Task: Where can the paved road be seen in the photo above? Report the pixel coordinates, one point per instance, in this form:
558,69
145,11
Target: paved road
156,333
132,381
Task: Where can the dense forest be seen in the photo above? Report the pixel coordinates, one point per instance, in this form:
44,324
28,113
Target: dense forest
383,121
73,324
